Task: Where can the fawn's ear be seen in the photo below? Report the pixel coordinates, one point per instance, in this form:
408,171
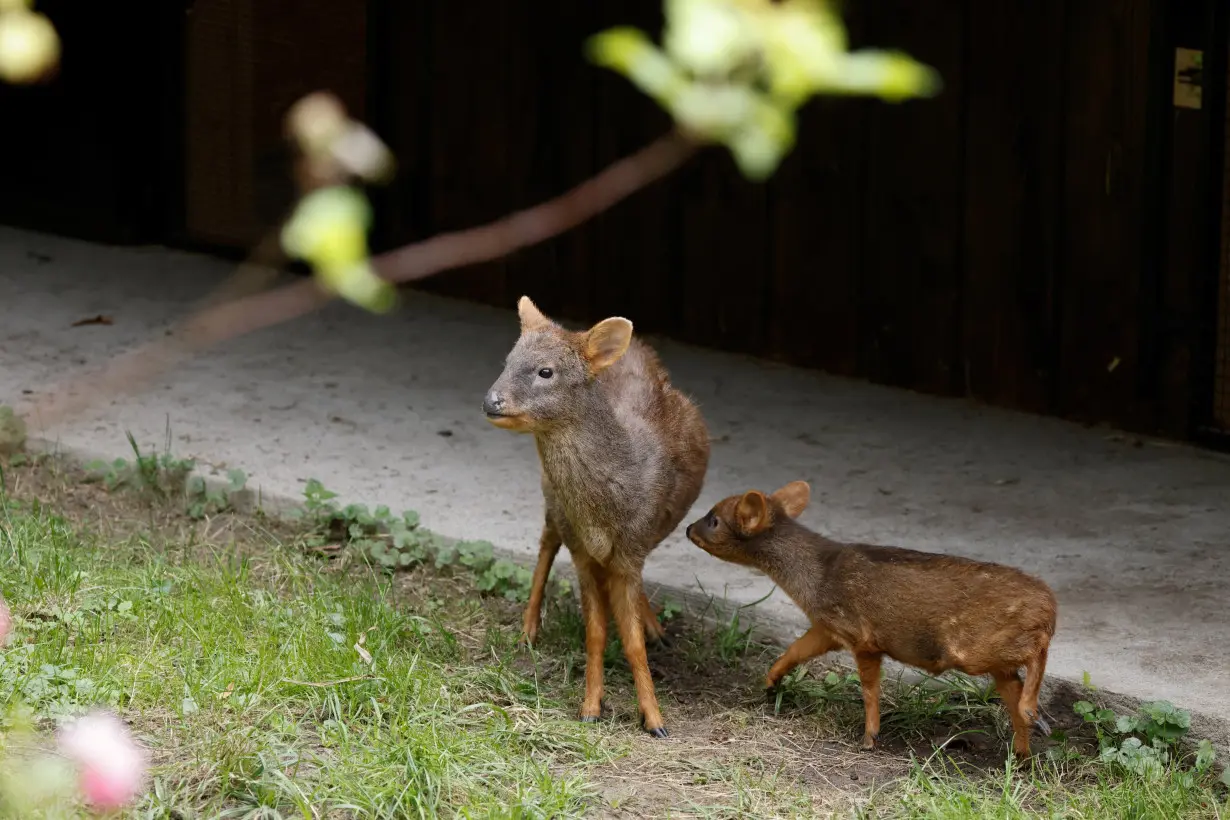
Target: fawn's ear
605,342
531,317
752,513
794,497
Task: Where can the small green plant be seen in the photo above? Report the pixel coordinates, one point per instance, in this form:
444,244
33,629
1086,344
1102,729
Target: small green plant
203,501
386,540
113,475
158,475
399,542
834,687
1147,743
670,610
497,576
1157,721
12,431
733,638
317,501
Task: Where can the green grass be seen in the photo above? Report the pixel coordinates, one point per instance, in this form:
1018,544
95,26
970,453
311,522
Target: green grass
244,681
271,682
1081,791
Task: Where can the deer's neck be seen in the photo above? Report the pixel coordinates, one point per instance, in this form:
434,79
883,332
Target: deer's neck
801,563
588,446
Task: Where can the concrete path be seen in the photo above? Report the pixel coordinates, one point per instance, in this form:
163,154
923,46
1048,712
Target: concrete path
1134,538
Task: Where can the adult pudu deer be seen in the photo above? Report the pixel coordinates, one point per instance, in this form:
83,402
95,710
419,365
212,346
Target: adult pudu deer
935,612
623,456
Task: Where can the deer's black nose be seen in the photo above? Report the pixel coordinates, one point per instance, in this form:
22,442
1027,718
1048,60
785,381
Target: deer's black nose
493,404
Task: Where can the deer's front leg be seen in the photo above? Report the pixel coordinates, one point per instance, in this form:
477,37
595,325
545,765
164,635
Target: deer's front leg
597,615
625,596
548,548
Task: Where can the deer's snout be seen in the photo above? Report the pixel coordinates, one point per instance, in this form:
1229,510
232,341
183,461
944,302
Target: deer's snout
493,403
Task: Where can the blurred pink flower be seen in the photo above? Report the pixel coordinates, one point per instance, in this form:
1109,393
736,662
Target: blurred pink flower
6,622
111,764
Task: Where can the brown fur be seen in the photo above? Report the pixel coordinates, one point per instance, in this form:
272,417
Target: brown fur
623,457
935,612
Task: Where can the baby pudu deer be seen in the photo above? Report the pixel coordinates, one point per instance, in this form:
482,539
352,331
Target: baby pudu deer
934,612
623,457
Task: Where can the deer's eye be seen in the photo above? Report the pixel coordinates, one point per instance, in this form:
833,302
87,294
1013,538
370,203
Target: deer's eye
712,522
546,373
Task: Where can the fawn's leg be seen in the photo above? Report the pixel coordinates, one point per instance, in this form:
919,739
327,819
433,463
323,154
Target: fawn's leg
626,597
1035,670
869,676
1009,687
811,644
548,547
654,631
594,608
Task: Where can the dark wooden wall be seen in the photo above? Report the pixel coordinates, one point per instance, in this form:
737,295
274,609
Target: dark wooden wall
992,242
90,154
1191,349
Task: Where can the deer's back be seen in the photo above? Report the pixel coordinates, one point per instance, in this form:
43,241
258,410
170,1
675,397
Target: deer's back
939,611
667,426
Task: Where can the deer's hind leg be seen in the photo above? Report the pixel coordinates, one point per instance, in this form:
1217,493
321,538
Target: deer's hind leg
1009,687
1035,670
869,678
654,631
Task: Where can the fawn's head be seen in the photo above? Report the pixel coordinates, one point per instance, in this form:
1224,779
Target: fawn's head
549,370
736,527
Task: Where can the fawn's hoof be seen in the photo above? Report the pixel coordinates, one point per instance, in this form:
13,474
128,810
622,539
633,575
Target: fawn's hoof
869,741
1038,723
770,695
529,635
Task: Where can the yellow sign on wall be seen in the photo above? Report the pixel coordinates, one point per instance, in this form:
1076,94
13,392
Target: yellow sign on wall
1188,77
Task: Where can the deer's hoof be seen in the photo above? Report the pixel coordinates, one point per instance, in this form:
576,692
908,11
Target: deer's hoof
656,731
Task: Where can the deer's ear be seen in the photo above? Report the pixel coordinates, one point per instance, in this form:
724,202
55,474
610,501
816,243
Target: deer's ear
605,342
793,497
531,317
752,513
